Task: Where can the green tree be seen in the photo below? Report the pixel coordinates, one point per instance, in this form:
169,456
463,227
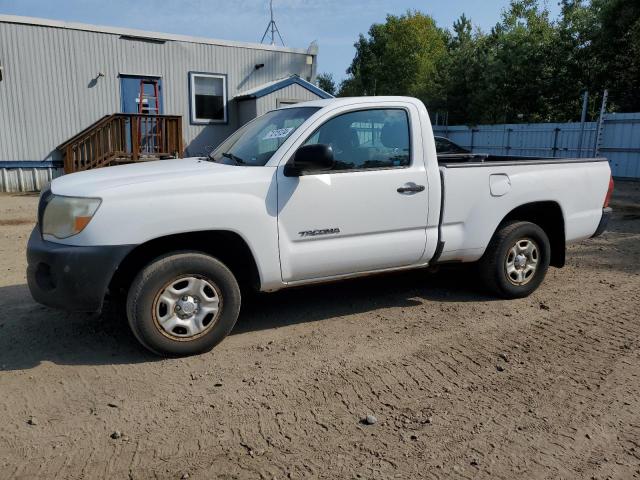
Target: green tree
463,73
399,57
519,74
527,68
598,47
577,67
616,45
326,82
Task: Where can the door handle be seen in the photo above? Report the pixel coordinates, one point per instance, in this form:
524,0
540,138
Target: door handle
410,187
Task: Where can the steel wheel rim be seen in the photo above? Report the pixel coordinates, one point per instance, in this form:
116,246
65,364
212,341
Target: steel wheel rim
521,262
187,307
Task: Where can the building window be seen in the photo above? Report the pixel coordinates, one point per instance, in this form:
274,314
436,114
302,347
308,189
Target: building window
208,98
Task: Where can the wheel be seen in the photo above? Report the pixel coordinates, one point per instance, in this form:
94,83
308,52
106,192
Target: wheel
183,303
516,260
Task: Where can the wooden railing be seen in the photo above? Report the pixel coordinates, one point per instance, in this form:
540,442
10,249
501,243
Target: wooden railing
123,138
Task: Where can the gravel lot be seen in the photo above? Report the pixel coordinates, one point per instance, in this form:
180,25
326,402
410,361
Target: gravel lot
461,385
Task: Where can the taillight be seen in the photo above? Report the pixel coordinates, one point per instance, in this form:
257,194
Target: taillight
607,199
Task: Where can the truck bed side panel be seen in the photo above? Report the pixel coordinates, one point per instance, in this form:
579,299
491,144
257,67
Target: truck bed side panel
472,212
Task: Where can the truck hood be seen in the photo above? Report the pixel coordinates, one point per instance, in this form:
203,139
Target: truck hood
184,171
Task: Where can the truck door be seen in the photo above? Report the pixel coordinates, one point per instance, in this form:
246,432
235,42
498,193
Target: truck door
369,212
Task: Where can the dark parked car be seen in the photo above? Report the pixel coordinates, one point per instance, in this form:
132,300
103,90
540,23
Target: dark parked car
449,152
446,146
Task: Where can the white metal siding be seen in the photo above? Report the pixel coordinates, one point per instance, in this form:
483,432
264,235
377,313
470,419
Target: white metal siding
246,110
26,179
290,92
50,91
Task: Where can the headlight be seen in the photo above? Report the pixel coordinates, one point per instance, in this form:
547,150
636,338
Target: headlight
67,216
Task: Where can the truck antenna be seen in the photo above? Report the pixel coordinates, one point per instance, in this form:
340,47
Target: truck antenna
272,28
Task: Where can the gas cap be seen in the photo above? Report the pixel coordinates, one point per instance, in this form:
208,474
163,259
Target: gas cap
500,184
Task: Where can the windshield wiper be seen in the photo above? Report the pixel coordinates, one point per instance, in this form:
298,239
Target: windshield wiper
235,158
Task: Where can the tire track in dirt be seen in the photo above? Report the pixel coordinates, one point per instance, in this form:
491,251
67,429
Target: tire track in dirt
422,358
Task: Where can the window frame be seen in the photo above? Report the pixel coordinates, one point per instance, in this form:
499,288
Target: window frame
193,120
373,169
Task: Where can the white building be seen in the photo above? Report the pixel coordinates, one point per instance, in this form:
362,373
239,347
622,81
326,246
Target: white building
110,95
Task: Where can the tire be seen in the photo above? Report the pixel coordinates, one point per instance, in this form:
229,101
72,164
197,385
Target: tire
501,267
183,303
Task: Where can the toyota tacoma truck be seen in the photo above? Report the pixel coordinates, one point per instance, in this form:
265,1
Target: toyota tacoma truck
309,193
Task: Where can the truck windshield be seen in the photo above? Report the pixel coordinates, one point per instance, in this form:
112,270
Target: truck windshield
255,143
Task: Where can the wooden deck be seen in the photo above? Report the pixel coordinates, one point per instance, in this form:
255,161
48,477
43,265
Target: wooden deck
123,138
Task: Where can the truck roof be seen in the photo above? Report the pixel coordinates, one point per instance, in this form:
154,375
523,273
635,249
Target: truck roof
354,101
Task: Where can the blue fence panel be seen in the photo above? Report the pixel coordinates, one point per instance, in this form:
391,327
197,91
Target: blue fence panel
619,142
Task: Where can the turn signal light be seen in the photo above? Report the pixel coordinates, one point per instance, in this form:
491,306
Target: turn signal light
81,222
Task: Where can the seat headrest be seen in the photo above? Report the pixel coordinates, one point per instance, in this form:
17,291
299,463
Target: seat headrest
395,135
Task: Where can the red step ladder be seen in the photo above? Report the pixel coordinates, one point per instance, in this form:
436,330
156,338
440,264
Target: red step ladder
149,129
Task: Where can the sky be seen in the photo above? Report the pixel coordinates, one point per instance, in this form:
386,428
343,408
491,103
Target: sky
333,24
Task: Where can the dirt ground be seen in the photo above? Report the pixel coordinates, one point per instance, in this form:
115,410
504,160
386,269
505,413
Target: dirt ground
462,385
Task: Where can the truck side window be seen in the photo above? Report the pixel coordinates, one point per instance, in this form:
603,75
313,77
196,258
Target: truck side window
375,138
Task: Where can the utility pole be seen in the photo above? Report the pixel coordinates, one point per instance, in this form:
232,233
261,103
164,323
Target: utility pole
272,28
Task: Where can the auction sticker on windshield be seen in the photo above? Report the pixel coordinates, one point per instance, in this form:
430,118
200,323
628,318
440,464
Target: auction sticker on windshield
278,133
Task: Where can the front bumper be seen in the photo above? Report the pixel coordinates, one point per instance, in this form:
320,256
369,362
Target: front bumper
69,277
604,221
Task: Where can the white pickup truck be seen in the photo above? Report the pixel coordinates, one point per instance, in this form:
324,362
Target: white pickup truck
313,192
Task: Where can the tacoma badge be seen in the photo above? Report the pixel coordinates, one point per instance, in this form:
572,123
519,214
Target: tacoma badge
315,233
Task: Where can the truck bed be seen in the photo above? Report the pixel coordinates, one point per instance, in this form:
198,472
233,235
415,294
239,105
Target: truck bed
480,193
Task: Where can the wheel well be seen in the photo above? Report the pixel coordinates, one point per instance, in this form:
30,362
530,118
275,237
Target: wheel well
548,216
228,247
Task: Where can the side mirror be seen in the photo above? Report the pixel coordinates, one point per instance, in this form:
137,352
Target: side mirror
309,159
